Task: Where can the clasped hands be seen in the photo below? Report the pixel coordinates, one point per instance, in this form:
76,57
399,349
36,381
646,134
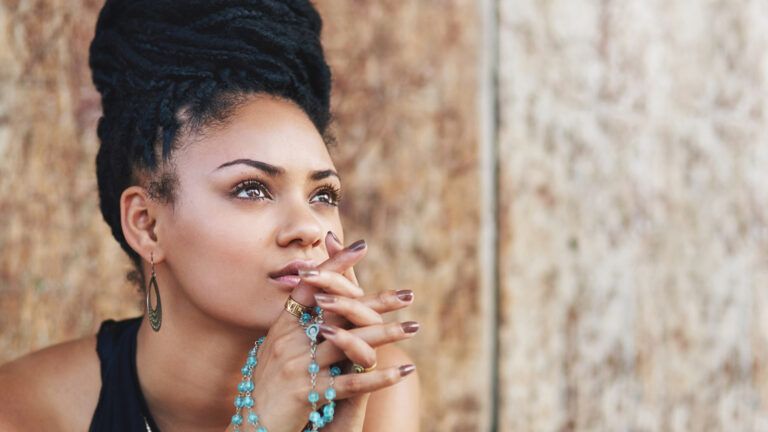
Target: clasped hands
353,329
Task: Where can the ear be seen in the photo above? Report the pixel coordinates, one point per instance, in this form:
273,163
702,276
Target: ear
138,219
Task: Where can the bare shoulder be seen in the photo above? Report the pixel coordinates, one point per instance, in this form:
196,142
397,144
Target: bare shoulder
401,398
43,390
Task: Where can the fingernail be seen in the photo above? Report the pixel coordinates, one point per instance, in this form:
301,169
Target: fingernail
308,273
327,330
406,369
325,298
404,295
334,237
410,326
358,245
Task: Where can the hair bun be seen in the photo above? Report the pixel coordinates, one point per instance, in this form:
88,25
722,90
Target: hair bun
145,45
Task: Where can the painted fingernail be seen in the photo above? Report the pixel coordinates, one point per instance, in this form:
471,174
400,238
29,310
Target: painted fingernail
358,245
410,326
404,295
406,369
325,298
308,273
334,237
327,330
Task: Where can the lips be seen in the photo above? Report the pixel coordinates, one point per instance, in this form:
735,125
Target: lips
287,282
288,276
292,269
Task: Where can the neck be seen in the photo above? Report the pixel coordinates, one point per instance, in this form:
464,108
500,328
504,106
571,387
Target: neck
189,370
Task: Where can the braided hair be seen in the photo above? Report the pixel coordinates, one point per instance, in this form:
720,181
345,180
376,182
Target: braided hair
165,68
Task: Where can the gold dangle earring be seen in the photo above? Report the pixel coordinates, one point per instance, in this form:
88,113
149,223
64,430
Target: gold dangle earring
155,315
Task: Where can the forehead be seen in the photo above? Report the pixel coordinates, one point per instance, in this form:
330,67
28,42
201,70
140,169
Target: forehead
264,128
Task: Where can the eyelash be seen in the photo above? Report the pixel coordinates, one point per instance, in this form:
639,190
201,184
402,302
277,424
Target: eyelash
332,190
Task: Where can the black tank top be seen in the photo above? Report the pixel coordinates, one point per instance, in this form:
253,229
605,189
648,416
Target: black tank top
121,405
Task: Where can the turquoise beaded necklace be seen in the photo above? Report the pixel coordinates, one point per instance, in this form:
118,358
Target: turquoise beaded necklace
311,325
243,400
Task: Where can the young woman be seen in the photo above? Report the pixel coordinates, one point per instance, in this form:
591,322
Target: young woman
215,178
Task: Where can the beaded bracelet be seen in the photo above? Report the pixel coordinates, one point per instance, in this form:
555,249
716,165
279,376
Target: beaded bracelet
244,389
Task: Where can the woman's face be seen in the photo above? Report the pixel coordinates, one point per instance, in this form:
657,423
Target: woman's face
253,196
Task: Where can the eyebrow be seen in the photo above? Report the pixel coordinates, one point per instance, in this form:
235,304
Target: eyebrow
275,171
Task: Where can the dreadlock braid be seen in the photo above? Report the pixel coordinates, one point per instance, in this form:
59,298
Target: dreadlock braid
153,59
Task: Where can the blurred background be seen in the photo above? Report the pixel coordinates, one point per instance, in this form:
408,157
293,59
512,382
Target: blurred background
575,189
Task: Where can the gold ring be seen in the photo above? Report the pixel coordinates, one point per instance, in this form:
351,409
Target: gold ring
356,368
295,308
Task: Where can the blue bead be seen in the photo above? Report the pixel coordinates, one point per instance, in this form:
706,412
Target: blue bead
314,368
261,429
328,411
313,396
248,386
318,310
248,402
253,418
320,423
305,317
237,419
241,387
245,371
335,371
327,418
238,402
251,361
314,416
330,394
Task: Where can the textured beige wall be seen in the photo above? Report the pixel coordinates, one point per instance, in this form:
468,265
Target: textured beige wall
405,114
60,270
632,225
633,194
404,98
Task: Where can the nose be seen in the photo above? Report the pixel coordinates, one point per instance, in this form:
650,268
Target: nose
300,226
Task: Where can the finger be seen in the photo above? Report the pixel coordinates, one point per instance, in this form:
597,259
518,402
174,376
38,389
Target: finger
388,301
374,336
352,346
288,318
354,311
350,274
333,245
351,385
331,282
381,303
344,259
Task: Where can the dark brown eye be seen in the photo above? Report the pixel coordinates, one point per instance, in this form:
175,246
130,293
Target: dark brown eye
250,189
329,194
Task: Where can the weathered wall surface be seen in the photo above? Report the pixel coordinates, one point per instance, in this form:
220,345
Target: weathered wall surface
633,196
632,231
405,89
60,270
405,111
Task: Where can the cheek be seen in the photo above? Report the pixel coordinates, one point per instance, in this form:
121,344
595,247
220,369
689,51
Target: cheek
218,238
217,257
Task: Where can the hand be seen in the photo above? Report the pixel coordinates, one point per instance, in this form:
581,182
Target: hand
350,412
281,378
